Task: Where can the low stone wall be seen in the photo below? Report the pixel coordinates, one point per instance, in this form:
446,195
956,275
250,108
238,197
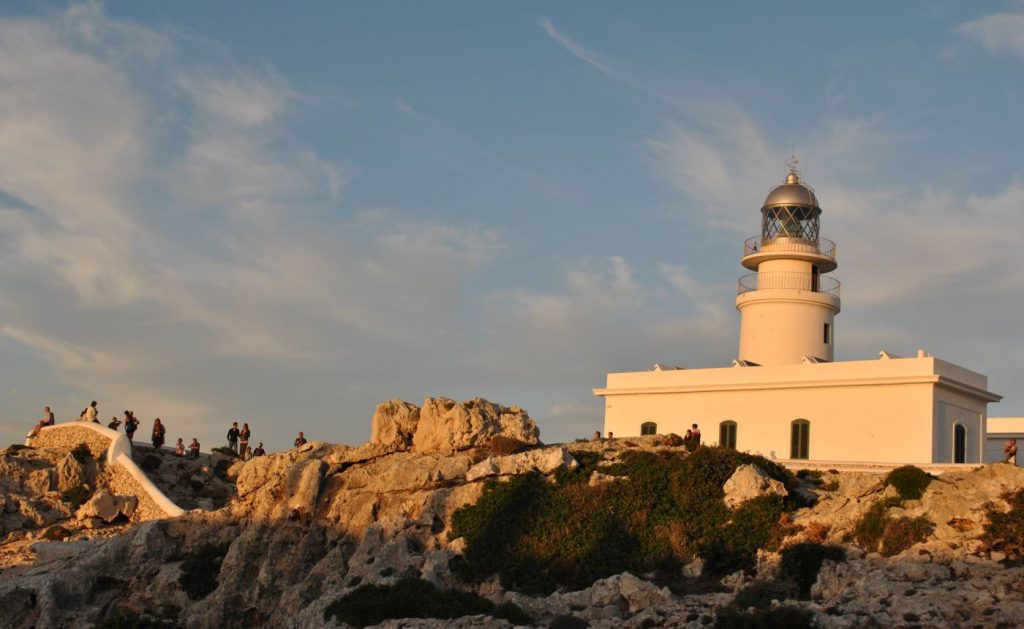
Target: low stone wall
125,477
67,436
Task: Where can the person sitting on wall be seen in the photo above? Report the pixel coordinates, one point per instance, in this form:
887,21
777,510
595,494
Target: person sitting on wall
46,420
90,413
1010,451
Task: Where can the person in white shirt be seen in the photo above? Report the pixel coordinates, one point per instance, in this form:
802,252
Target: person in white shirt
91,413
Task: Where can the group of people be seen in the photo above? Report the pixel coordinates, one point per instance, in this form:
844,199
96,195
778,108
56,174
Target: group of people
238,442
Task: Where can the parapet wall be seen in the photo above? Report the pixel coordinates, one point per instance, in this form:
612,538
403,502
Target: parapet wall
125,476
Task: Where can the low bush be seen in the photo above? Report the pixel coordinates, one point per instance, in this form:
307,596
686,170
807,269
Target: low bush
414,598
902,533
1004,532
81,452
800,563
500,445
787,617
55,533
809,475
869,529
199,572
76,496
760,594
910,481
667,509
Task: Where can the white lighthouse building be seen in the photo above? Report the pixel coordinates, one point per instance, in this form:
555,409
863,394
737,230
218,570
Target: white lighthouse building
784,395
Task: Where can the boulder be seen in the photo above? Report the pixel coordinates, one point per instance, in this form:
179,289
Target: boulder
69,473
546,461
394,424
446,426
749,481
38,482
107,507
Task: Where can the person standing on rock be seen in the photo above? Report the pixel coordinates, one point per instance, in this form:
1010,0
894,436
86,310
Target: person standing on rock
158,434
243,438
300,440
114,423
259,451
130,424
90,413
233,437
1010,451
193,448
695,435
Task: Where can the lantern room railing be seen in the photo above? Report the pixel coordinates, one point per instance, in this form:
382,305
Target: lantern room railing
821,246
789,281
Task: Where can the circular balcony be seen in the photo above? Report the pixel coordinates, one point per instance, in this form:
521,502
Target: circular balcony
821,252
789,281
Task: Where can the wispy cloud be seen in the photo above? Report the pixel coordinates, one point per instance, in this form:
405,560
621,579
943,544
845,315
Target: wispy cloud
1001,34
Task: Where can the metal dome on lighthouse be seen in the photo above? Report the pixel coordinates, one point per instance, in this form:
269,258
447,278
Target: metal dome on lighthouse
787,307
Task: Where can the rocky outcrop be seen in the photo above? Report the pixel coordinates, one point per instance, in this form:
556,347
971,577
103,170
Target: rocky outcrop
446,426
545,461
107,507
69,473
749,481
394,424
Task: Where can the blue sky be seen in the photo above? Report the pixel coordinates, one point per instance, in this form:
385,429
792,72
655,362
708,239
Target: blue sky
227,211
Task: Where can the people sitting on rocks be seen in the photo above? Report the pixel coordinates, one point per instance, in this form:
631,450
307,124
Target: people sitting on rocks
158,434
692,438
233,437
46,420
300,440
1010,451
243,438
247,453
611,435
114,423
259,451
91,412
179,448
130,424
597,436
193,448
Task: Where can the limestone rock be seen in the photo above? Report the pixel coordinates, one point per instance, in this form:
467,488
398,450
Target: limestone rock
69,473
38,482
545,461
304,485
447,426
106,506
750,481
394,424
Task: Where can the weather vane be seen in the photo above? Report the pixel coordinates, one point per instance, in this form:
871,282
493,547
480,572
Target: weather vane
793,162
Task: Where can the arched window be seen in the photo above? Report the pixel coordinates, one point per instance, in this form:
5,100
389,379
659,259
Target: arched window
727,434
959,443
648,428
800,439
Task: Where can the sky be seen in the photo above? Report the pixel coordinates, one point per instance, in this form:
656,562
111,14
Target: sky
243,211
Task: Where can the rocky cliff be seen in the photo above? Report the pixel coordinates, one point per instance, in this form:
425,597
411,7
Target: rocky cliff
300,529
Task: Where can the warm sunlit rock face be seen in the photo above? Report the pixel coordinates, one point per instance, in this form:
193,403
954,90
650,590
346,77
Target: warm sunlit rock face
302,528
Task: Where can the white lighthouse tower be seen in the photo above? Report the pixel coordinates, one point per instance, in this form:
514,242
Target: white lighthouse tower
788,305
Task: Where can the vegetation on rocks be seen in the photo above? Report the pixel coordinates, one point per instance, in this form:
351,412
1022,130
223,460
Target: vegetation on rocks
415,598
878,531
800,563
667,509
910,481
1004,531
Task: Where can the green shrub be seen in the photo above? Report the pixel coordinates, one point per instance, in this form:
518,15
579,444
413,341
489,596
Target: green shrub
870,528
811,475
81,452
909,481
414,598
787,617
200,571
801,563
539,535
1004,532
902,533
760,594
76,496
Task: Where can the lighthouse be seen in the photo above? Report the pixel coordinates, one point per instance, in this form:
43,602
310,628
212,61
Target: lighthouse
788,305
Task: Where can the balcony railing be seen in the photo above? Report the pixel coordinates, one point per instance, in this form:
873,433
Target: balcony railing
789,281
821,246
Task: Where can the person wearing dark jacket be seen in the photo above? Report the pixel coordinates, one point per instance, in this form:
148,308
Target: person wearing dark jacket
233,433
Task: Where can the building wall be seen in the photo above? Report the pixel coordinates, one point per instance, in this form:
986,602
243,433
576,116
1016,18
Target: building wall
952,408
879,423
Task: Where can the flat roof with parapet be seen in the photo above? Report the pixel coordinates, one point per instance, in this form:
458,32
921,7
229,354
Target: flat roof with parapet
886,370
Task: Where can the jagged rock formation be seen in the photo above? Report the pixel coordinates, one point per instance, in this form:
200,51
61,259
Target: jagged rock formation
748,482
306,526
